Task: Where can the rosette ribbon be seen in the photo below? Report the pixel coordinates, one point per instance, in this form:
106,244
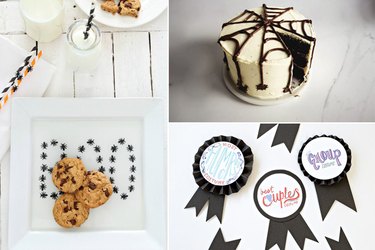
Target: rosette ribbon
333,189
279,226
215,194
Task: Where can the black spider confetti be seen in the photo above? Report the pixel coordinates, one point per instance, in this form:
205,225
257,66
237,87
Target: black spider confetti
132,178
97,149
132,158
44,145
81,149
63,146
62,156
112,159
133,169
99,159
29,68
114,148
43,156
54,142
130,148
124,196
61,192
112,180
42,178
54,195
44,167
112,170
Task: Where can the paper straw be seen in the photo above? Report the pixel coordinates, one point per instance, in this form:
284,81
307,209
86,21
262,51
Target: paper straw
18,80
89,21
26,62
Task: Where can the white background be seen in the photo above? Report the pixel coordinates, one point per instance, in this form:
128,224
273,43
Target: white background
342,79
241,219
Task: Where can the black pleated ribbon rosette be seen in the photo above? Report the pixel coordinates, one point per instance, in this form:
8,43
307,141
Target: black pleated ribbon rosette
333,187
215,194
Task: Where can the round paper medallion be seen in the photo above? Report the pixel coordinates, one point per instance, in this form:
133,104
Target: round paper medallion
222,163
324,159
279,195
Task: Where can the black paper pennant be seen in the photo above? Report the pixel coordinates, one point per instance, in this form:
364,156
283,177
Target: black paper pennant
340,192
215,203
341,244
297,227
285,133
220,244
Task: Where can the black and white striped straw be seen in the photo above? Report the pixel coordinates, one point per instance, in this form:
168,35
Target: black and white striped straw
18,74
89,21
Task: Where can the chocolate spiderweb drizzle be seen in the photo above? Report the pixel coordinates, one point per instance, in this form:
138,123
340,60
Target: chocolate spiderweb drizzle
267,23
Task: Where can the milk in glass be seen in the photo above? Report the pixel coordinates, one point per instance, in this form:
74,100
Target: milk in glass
43,18
83,54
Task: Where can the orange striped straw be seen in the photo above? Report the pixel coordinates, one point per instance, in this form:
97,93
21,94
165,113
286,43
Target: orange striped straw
10,92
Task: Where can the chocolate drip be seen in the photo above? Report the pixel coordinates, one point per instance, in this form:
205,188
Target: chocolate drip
238,46
267,23
294,31
226,62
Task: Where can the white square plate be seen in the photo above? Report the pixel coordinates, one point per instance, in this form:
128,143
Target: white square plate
124,138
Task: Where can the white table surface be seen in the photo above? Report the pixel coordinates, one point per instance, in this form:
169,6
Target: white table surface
342,83
134,64
241,219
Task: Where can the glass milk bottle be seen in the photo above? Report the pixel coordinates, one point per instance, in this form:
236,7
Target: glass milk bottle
83,54
43,18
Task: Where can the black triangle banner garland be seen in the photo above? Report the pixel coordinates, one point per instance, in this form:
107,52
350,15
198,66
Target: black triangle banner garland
220,244
285,133
341,244
221,167
280,196
325,160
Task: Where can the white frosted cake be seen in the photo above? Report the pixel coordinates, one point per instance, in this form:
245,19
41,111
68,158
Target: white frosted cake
268,51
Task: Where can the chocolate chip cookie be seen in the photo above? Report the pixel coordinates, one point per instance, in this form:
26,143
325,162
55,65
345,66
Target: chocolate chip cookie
68,174
96,189
110,6
69,212
129,7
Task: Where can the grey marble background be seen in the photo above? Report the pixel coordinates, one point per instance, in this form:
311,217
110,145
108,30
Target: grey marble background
342,82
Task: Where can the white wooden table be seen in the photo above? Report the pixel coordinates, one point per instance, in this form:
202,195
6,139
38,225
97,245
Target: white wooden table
134,64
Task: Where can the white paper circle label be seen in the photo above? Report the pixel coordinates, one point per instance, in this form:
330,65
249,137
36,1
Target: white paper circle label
222,163
279,195
324,158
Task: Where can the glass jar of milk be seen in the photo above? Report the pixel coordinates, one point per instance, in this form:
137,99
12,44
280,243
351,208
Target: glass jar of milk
43,18
83,54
